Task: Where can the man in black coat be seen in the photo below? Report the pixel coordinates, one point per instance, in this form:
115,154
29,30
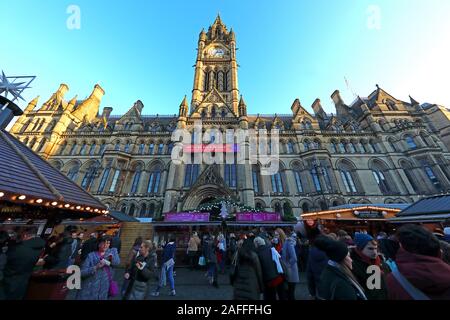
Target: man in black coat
116,242
89,246
274,282
21,260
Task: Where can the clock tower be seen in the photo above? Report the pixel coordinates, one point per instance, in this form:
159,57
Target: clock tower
215,92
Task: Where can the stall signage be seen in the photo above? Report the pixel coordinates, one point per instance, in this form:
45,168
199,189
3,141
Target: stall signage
186,217
258,216
368,214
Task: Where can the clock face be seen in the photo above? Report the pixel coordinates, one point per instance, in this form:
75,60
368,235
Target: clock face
216,52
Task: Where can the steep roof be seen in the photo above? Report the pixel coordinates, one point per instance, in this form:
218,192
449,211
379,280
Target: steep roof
23,172
428,206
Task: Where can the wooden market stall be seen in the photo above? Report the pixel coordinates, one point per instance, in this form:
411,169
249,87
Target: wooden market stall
432,212
352,218
34,195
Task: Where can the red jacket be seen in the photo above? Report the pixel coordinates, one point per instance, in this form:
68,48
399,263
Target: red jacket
431,275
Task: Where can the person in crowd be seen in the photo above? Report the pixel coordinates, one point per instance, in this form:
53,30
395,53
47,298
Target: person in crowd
116,242
280,237
97,272
365,255
272,271
289,257
221,252
89,246
167,266
317,261
447,234
247,279
134,250
389,247
59,252
445,248
420,272
209,252
302,251
337,281
4,237
332,236
232,246
193,249
248,241
21,259
75,245
142,270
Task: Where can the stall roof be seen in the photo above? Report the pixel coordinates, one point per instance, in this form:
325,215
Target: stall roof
122,217
421,218
23,172
399,206
428,206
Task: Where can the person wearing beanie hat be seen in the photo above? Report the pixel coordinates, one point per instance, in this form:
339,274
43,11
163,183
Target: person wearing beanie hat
337,281
365,255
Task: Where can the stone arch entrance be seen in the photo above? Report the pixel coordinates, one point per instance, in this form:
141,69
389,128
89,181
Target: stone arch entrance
204,194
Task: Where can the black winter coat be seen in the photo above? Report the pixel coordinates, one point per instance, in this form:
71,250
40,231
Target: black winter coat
335,285
248,280
268,266
21,260
59,256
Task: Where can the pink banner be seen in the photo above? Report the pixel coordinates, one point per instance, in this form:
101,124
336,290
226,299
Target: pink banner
258,216
186,217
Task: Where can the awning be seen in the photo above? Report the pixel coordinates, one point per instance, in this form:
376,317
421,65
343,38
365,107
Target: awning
421,218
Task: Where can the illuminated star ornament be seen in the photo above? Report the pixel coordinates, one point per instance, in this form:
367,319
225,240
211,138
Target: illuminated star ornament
11,85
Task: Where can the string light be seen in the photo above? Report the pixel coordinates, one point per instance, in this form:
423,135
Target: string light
1,194
54,203
78,207
39,201
22,197
67,205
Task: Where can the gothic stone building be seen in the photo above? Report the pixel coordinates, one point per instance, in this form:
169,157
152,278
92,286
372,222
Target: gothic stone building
375,150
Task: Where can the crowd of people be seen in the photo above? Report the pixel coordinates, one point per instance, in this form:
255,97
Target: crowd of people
410,264
24,252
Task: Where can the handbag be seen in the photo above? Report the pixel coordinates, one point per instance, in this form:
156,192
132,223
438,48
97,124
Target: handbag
202,261
113,285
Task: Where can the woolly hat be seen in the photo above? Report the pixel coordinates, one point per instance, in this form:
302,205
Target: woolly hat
335,250
362,239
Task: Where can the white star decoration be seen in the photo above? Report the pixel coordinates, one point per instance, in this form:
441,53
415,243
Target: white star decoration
8,85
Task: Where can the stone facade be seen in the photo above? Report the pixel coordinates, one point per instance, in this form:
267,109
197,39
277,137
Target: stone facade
375,150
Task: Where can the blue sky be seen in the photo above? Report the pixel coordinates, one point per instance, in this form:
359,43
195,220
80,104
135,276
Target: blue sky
145,50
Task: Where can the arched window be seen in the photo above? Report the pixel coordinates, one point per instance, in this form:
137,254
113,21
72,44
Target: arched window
143,212
73,172
132,209
373,146
124,209
333,147
51,126
25,126
160,148
127,147
259,206
306,145
151,210
203,114
351,147
348,181
35,125
32,143
408,170
277,183
362,147
432,177
342,147
316,180
83,149
62,148
305,208
151,148
381,181
89,176
256,178
40,125
411,143
206,81
277,207
298,180
287,209
223,113
191,175
117,146
290,147
41,145
115,180
308,125
141,148
92,150
213,112
102,148
392,144
154,180
136,179
105,176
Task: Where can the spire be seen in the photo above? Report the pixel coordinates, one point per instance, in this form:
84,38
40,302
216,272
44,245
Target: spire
218,20
242,107
72,103
33,103
413,102
184,107
184,103
242,102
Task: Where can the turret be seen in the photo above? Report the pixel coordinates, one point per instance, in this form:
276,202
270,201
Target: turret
33,103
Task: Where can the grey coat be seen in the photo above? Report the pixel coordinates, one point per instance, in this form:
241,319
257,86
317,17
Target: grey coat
95,283
289,257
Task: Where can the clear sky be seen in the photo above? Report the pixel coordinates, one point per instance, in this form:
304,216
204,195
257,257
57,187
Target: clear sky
140,49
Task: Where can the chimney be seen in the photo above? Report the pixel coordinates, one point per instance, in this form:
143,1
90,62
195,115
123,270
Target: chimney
62,90
139,105
337,99
98,92
106,112
8,110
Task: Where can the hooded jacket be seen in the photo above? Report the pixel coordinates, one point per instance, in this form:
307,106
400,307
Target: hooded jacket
431,275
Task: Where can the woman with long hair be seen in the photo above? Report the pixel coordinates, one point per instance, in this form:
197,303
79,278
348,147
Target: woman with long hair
337,281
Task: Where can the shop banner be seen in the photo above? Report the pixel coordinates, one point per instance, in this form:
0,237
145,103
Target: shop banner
258,216
186,217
